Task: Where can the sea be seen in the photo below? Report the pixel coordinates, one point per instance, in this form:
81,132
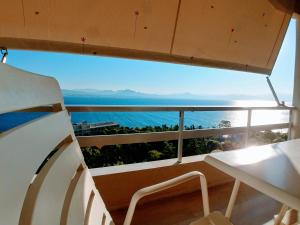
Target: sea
142,119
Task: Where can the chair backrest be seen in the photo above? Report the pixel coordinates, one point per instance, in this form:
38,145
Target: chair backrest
43,177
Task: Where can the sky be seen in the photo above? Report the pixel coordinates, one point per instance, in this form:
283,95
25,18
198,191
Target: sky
75,71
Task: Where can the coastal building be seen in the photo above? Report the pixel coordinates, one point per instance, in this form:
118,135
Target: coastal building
86,129
43,176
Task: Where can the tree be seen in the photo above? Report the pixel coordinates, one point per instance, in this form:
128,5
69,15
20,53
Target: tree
154,155
142,152
224,124
169,151
212,144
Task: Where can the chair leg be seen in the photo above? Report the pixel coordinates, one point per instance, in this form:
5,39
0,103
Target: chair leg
232,199
291,217
281,214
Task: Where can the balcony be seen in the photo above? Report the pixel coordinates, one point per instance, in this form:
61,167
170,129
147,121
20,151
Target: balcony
44,176
182,204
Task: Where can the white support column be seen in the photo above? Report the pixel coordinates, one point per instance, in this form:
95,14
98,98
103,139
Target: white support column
295,131
249,118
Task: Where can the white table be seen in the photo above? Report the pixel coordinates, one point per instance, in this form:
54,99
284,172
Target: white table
271,169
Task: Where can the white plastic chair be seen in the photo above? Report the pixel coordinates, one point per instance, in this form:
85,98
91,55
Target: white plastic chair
61,191
215,218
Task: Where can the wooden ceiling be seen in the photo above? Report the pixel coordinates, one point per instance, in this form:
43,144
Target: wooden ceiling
236,34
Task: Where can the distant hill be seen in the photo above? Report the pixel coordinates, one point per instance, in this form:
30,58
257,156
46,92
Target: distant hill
108,93
127,93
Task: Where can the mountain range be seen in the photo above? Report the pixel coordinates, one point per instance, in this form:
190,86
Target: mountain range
128,93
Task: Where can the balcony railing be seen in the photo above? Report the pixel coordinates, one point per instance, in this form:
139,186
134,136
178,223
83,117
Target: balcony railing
102,140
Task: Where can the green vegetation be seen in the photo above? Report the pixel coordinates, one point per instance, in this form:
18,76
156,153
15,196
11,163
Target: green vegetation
143,152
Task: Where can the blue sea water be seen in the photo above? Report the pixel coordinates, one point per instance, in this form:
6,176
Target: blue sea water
141,119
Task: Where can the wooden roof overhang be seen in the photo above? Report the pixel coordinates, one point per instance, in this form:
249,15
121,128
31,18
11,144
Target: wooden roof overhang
235,34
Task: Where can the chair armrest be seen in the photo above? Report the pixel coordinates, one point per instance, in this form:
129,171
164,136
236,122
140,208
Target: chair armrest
166,185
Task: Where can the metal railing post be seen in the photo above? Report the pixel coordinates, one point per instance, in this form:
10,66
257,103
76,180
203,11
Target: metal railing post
249,118
180,136
290,124
274,93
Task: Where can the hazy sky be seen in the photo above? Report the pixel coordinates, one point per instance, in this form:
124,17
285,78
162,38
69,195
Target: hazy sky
79,71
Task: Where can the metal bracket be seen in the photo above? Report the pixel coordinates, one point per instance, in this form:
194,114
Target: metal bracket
274,93
4,53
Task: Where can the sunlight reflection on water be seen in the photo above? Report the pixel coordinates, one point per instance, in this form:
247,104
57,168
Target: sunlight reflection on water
259,117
